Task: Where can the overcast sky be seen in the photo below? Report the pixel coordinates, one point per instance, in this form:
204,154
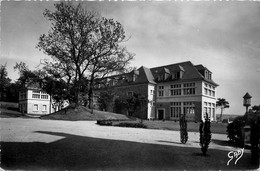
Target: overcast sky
223,36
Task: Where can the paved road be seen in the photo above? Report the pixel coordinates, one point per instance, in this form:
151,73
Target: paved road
30,130
49,140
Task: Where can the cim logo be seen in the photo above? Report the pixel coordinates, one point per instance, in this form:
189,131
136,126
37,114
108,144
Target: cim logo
236,155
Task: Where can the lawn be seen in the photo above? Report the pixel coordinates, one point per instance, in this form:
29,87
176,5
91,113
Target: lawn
219,128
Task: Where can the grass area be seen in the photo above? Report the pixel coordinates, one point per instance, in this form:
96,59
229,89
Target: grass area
82,113
219,128
6,113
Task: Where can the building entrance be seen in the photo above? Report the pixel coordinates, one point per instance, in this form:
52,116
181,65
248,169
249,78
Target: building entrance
160,114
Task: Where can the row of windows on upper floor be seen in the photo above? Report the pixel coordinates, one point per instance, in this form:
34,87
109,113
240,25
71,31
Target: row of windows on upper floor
185,89
35,95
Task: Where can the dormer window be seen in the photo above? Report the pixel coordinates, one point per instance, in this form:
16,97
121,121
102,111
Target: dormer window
161,77
176,75
206,74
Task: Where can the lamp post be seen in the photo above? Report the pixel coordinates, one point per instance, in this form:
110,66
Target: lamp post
247,101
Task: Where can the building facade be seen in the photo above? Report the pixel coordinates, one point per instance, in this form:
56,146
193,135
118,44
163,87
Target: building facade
32,100
171,91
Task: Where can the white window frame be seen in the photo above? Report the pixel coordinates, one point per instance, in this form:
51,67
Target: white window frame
44,107
34,109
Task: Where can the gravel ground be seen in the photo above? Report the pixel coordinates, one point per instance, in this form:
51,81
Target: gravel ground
30,144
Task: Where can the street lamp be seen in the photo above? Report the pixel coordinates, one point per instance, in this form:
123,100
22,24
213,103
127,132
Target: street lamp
247,101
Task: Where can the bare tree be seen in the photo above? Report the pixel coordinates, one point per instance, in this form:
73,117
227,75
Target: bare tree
83,45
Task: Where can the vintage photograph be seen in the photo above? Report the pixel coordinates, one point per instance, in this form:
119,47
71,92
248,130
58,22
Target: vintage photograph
130,85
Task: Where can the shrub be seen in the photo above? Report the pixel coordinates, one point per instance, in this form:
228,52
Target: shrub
234,130
183,130
254,140
133,125
104,122
205,134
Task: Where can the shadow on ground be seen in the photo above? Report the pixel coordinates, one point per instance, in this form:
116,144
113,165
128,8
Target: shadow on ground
84,153
223,143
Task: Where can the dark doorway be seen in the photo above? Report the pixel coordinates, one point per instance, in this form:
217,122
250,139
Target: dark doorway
160,114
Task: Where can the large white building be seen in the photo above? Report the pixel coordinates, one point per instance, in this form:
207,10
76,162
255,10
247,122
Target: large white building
171,90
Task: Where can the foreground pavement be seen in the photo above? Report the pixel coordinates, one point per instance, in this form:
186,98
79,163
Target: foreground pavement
34,144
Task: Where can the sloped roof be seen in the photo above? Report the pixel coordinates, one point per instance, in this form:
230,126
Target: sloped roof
190,71
201,67
145,75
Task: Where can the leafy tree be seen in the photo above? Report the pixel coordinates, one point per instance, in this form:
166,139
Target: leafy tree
4,82
12,94
131,104
57,89
105,99
82,44
234,130
183,129
27,76
222,103
205,134
256,108
255,140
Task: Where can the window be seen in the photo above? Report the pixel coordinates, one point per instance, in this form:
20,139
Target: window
188,91
161,87
161,77
35,96
176,75
35,107
189,88
44,96
161,91
205,111
209,76
210,109
176,86
189,85
189,109
44,107
206,74
209,90
175,109
175,90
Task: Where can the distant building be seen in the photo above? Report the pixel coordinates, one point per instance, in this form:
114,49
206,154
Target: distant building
171,90
32,100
